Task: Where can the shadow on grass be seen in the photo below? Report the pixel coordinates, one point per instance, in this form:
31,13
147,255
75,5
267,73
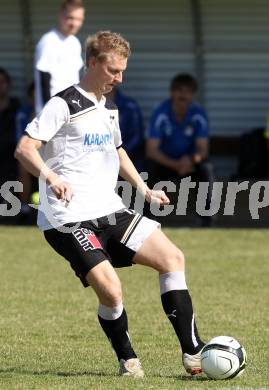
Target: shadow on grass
188,378
16,370
196,378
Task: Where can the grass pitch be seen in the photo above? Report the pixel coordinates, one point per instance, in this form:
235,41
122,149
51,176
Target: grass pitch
50,337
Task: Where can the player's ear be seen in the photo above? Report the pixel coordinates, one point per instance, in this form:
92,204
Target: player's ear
92,62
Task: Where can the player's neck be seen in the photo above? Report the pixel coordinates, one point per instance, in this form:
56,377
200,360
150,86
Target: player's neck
90,88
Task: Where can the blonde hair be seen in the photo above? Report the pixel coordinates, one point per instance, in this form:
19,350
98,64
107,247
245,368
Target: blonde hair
102,43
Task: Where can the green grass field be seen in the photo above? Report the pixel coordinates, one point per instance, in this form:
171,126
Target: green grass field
50,337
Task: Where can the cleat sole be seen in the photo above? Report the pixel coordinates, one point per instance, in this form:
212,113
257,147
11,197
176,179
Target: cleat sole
196,371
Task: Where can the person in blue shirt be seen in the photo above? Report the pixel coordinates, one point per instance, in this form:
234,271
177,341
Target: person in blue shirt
178,138
26,113
131,126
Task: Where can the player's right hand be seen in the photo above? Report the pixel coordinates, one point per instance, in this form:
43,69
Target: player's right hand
61,189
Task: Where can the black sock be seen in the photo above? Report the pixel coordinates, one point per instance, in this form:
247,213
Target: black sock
177,305
117,333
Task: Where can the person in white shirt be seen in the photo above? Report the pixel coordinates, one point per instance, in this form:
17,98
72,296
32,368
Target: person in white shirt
58,54
83,218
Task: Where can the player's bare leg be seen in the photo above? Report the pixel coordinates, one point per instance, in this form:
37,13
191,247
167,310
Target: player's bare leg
113,318
161,254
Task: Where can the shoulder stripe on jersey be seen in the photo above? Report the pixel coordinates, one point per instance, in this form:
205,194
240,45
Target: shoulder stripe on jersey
85,116
82,112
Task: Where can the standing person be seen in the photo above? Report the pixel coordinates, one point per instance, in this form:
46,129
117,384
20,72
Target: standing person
79,128
58,54
178,138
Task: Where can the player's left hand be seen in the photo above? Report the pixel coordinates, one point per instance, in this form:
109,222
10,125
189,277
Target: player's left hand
157,196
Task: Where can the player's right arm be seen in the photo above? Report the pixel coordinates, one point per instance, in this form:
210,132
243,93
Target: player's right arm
44,127
28,155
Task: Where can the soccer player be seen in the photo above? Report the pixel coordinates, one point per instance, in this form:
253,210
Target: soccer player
85,221
58,54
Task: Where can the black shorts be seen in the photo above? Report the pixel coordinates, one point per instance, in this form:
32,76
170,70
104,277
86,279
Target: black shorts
116,237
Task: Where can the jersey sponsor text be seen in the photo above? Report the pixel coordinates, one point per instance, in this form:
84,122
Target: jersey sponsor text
97,139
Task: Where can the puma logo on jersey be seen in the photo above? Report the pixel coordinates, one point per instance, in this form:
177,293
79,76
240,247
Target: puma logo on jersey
172,314
76,102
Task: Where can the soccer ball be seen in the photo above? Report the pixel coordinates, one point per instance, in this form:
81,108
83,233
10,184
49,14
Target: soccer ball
223,358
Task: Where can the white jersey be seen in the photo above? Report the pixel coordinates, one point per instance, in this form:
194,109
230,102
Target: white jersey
82,136
61,57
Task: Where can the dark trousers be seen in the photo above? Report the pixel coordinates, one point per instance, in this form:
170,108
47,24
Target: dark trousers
203,172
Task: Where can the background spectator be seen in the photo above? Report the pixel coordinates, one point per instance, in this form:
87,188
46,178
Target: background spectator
178,137
58,54
266,136
132,127
8,108
25,115
253,156
26,112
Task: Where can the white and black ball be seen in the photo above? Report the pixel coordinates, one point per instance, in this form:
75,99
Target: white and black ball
223,357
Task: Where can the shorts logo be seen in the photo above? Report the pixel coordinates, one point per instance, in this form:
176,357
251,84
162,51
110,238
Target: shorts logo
87,239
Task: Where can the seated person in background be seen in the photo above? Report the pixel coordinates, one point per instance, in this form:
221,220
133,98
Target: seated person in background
25,115
131,126
178,138
266,132
8,108
26,112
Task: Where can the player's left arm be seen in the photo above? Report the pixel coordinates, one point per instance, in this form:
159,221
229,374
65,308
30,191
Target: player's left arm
130,174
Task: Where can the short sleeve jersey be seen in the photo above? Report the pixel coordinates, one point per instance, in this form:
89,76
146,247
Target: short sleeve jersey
60,56
81,138
177,138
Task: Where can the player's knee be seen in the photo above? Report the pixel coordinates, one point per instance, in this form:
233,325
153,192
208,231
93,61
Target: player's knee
113,296
174,261
180,259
